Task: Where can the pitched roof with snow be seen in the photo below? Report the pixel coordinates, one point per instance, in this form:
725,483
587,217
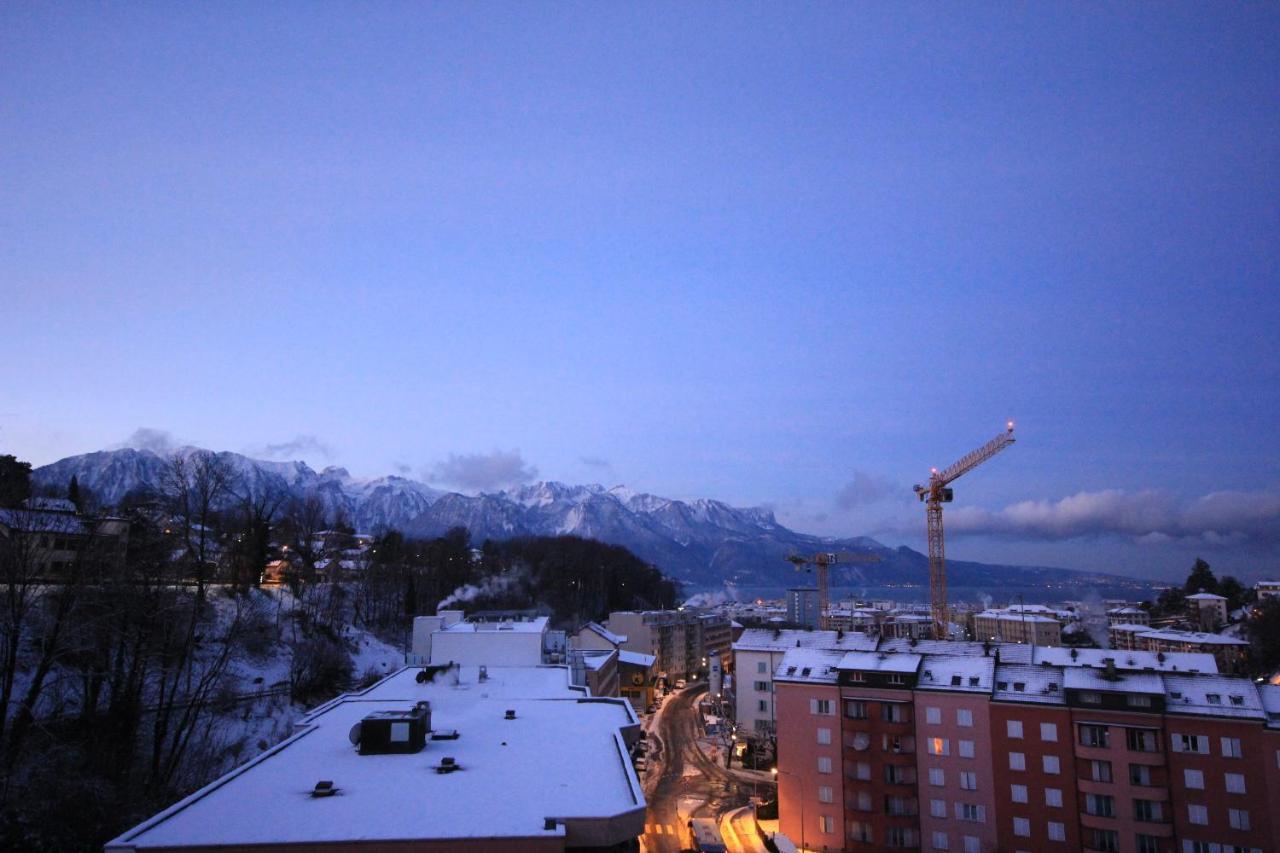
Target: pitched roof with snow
1195,638
609,636
1020,682
957,672
1213,695
1088,678
766,640
881,662
815,666
636,659
1154,661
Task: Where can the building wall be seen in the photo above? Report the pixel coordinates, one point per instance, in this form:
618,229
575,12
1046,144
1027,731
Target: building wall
950,709
588,639
487,648
804,784
877,742
1213,768
1034,747
753,686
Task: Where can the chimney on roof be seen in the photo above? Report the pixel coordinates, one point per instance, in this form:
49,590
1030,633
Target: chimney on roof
511,714
1109,669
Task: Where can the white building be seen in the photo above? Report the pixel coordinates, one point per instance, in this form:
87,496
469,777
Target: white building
1267,589
1211,609
540,766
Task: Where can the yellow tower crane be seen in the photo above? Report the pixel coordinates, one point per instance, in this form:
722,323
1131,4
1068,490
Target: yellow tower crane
934,495
823,562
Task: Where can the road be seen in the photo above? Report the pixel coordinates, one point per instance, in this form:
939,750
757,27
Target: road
680,771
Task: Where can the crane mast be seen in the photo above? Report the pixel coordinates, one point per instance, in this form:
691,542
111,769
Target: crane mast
934,496
822,562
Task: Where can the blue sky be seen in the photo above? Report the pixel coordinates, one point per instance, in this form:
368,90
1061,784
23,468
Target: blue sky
767,253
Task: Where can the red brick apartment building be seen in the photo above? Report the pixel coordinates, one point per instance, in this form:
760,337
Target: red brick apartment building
1133,752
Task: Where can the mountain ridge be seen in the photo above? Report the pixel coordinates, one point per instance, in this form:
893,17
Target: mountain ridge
703,543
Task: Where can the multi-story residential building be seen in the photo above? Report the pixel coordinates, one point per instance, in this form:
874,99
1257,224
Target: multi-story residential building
1127,637
1128,616
757,655
802,606
46,537
1210,610
678,639
853,619
1008,626
1133,752
1227,651
1267,589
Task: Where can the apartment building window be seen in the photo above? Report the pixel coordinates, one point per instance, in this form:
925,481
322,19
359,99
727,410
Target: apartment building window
1091,698
899,806
964,717
895,678
1191,743
826,824
1017,761
1193,779
824,764
1238,818
862,771
1147,810
972,844
1057,831
1140,774
762,667
968,780
763,706
1148,844
1051,765
938,808
824,737
1139,701
1100,805
1235,783
937,777
1053,797
899,836
821,707
941,840
824,793
971,812
1142,740
1231,747
939,746
1105,840
855,709
897,774
859,831
1013,728
933,716
1022,827
893,712
1197,814
1101,770
857,676
864,801
1097,736
762,686
1018,793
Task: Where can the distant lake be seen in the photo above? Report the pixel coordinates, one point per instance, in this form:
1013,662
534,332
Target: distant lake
1002,595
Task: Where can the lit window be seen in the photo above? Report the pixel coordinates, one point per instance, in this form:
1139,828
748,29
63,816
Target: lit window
939,746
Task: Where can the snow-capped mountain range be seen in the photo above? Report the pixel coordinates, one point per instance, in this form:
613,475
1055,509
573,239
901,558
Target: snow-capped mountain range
702,543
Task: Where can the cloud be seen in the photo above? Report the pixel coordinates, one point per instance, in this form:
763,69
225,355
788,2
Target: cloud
402,468
864,488
483,471
596,462
300,445
1150,517
158,441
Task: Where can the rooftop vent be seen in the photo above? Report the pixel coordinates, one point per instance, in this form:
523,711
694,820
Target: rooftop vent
393,732
955,681
484,673
549,824
973,681
511,714
448,764
445,734
324,788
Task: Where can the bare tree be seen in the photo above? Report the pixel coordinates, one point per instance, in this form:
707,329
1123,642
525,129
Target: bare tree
194,486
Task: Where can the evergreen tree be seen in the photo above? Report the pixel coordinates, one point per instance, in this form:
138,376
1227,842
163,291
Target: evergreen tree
15,481
1201,579
73,491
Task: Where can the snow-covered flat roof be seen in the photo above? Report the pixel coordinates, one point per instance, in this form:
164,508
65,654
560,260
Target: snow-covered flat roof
968,673
1206,596
1121,626
1010,616
563,756
1213,695
525,626
1155,661
1195,637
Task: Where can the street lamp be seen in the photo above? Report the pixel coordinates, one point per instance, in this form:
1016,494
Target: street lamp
775,771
